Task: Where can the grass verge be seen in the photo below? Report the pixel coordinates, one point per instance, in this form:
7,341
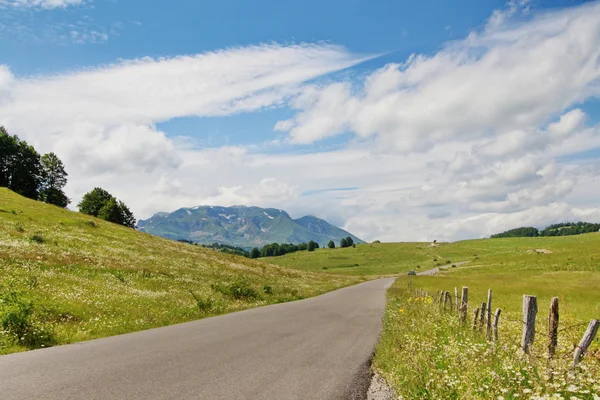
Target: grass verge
426,353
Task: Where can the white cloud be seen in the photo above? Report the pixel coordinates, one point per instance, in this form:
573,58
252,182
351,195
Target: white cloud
45,4
462,143
510,77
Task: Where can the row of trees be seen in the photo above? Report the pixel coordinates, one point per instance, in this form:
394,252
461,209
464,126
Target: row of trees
277,249
563,229
43,178
25,172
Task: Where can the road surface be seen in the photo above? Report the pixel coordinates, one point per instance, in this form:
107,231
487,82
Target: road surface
316,348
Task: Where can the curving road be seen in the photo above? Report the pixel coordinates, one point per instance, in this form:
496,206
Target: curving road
317,348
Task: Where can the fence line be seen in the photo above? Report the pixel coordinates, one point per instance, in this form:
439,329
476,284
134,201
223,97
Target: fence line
486,322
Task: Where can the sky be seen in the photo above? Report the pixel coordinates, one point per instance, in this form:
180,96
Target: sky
396,120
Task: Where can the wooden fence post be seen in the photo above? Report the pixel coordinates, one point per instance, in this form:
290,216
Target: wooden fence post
529,312
553,327
495,325
449,301
457,299
482,317
586,340
475,318
463,304
488,326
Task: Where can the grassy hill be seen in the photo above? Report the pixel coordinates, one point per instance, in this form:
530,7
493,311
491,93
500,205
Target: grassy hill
67,277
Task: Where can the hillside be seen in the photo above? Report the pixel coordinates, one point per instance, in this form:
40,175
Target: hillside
67,277
241,226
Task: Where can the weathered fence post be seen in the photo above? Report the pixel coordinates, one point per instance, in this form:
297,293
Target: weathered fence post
475,318
529,312
442,297
457,299
448,301
586,340
553,327
488,326
495,325
482,317
463,304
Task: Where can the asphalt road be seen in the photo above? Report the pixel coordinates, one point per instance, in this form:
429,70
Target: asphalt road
317,348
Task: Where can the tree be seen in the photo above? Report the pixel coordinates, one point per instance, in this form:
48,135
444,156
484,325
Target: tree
99,203
349,241
127,217
110,212
331,244
312,246
19,165
93,201
53,180
343,243
255,253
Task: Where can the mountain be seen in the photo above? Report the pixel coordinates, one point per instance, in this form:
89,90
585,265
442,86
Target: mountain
241,226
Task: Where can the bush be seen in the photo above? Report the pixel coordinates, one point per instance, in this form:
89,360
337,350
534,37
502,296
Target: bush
37,238
203,304
267,289
239,289
448,261
19,227
16,319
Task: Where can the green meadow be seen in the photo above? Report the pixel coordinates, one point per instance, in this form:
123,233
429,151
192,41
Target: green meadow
67,277
426,353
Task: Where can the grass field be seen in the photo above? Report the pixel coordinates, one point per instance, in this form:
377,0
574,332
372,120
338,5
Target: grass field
67,277
426,354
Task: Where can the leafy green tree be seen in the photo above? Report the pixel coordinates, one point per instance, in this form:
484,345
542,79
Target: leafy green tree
20,167
255,253
110,212
331,244
343,243
349,241
53,180
127,217
99,203
93,201
312,246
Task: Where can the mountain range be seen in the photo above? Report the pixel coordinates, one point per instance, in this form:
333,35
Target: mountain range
241,226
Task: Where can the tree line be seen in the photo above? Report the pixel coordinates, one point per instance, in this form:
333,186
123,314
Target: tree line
562,229
280,249
43,177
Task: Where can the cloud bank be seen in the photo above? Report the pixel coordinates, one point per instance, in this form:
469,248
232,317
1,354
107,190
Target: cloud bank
482,136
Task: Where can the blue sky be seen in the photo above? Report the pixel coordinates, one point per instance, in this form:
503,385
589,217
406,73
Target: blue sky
466,116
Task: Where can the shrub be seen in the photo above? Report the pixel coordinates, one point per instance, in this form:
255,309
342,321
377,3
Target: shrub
16,319
19,227
448,261
203,304
91,223
37,238
453,265
267,289
239,289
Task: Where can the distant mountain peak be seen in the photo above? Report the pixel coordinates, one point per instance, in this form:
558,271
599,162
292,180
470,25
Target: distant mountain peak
243,226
